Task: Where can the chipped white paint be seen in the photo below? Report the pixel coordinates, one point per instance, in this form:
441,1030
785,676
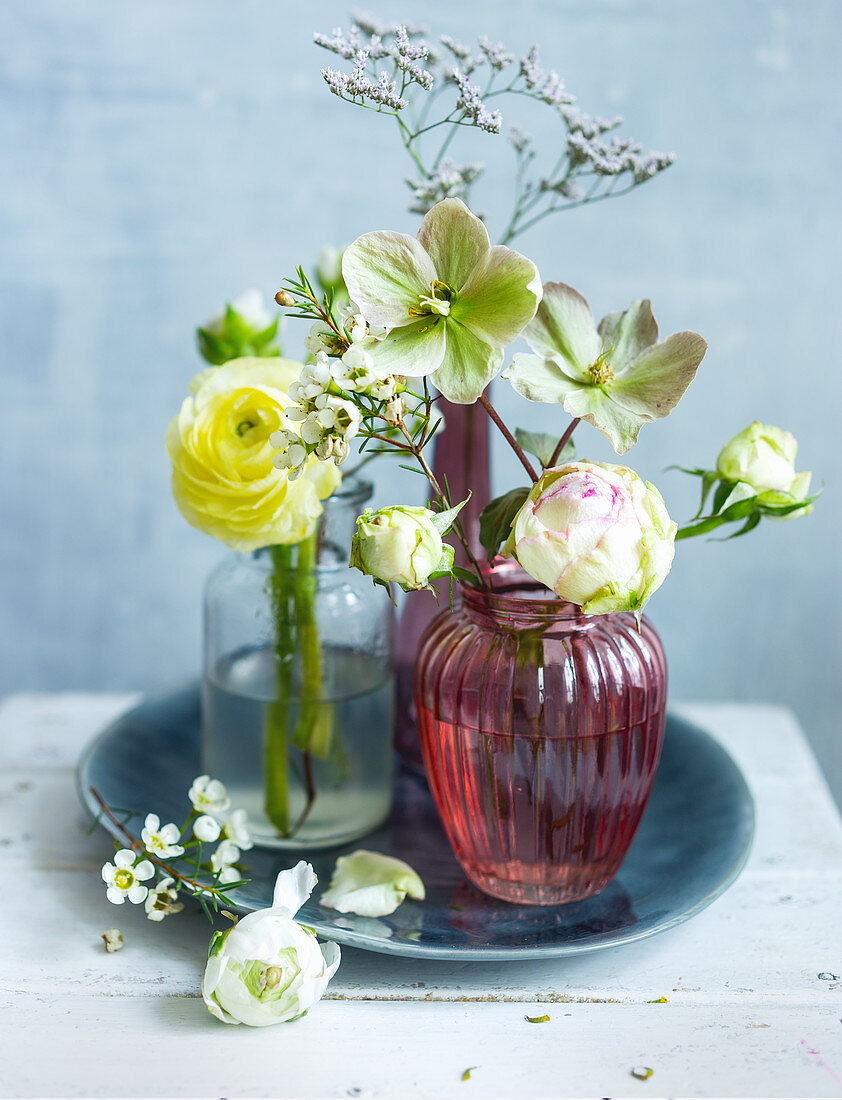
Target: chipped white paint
753,985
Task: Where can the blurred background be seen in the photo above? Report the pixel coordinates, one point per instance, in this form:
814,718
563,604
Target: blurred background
161,158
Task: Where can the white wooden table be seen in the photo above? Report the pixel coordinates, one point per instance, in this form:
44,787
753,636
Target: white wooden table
753,984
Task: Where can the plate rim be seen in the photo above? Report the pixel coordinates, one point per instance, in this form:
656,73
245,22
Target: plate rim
407,949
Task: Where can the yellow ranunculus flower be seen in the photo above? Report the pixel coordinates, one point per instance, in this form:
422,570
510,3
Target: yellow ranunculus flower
223,479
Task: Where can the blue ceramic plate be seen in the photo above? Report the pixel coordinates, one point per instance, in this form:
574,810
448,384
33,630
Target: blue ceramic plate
691,845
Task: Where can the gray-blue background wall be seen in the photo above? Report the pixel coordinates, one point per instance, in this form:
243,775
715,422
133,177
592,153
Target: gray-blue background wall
158,158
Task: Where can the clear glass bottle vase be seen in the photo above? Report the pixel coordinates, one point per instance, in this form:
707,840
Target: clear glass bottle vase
298,686
541,730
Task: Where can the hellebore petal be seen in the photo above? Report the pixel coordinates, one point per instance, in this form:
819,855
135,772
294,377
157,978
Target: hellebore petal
656,381
564,327
500,297
592,404
455,241
539,379
371,884
416,349
629,333
468,366
386,274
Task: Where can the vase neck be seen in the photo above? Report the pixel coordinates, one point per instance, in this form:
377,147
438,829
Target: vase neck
517,602
333,532
462,462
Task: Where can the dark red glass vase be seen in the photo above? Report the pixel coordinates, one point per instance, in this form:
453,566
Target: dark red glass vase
541,730
462,462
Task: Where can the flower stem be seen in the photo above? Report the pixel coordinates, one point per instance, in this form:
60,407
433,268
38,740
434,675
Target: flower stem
275,740
571,428
136,846
437,489
507,435
314,728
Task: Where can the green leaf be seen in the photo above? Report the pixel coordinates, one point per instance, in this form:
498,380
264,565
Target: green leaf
212,348
443,521
495,522
537,1019
721,495
740,509
543,445
466,575
709,479
466,1076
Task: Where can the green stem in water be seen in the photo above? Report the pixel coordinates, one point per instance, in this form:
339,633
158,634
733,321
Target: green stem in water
275,746
314,729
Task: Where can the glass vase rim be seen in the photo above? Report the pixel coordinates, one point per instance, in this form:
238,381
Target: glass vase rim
351,490
507,598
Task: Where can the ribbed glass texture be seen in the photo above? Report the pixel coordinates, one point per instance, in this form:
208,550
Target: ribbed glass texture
541,730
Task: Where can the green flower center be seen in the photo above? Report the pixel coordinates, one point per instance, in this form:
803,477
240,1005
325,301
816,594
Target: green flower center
438,301
123,879
600,371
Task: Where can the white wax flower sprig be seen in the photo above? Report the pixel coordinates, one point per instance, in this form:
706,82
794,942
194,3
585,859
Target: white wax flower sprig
183,855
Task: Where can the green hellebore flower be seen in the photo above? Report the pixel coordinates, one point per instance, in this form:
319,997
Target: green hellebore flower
450,301
617,376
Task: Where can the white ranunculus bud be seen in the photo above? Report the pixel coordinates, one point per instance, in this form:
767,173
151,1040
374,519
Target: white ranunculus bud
268,969
763,457
399,544
596,534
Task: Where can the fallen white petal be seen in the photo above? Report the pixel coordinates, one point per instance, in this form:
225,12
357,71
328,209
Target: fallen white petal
371,884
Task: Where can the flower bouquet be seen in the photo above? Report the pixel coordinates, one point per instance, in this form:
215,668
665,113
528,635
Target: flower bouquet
540,687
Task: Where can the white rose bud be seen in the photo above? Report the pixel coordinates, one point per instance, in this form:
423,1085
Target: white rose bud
763,457
596,534
399,544
268,969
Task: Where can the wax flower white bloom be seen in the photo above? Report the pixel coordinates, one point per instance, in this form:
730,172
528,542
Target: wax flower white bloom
206,829
268,969
596,534
161,841
371,884
763,457
161,901
226,853
208,796
235,828
400,544
125,876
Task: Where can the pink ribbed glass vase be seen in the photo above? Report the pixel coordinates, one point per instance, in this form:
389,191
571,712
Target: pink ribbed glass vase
541,730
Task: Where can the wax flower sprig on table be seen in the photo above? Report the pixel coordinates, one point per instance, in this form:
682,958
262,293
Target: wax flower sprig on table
443,306
200,857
